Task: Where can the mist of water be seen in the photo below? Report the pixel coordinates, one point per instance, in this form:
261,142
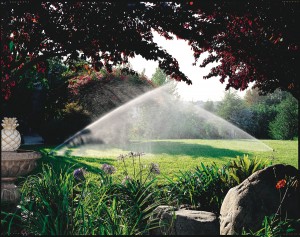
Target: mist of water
156,115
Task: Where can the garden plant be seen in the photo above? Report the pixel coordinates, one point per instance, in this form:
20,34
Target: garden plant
72,201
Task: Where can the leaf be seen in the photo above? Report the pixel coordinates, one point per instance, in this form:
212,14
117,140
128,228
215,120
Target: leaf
290,230
246,163
86,67
256,166
235,177
11,45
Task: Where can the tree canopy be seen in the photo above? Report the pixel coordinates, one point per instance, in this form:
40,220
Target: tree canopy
251,41
159,78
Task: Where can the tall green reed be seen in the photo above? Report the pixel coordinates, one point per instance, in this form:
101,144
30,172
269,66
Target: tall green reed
203,188
67,203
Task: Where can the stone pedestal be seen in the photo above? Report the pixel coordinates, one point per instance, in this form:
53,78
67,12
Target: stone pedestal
15,164
9,191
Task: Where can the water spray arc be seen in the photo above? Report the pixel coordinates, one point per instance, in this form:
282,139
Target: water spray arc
157,114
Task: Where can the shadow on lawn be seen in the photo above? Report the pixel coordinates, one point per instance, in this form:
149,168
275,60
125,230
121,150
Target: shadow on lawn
196,151
63,162
185,149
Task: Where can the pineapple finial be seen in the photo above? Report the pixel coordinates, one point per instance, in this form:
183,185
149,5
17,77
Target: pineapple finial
10,137
9,123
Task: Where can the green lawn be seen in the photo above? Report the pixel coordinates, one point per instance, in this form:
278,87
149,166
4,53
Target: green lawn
173,155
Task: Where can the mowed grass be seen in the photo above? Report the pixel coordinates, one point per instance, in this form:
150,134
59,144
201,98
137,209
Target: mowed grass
172,156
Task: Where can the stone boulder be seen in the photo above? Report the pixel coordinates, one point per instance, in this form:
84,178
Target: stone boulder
185,222
246,204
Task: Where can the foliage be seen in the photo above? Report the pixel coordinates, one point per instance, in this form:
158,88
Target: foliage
252,97
230,105
180,120
242,167
252,42
37,99
107,203
275,228
209,106
138,190
143,199
202,189
91,93
159,78
54,203
103,91
233,109
56,89
73,118
264,110
285,124
206,186
47,202
255,113
263,114
11,221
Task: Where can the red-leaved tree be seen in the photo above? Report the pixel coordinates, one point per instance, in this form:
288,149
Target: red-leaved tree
252,41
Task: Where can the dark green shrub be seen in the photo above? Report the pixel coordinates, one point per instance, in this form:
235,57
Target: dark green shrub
138,201
242,167
73,118
285,124
11,221
203,189
48,201
66,203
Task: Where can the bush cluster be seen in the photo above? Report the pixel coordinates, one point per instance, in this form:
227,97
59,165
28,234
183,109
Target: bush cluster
68,203
73,118
205,187
72,202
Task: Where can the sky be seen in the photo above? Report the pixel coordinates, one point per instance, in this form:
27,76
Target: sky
210,89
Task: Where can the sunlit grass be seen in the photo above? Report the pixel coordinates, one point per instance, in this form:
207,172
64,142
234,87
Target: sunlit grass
172,156
285,152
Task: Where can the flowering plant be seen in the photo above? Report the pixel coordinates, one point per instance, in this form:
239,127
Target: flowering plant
79,174
153,168
280,184
77,82
108,169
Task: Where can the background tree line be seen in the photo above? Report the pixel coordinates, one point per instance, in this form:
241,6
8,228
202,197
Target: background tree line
272,116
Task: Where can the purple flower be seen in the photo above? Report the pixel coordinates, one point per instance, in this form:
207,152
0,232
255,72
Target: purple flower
79,174
154,168
109,169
